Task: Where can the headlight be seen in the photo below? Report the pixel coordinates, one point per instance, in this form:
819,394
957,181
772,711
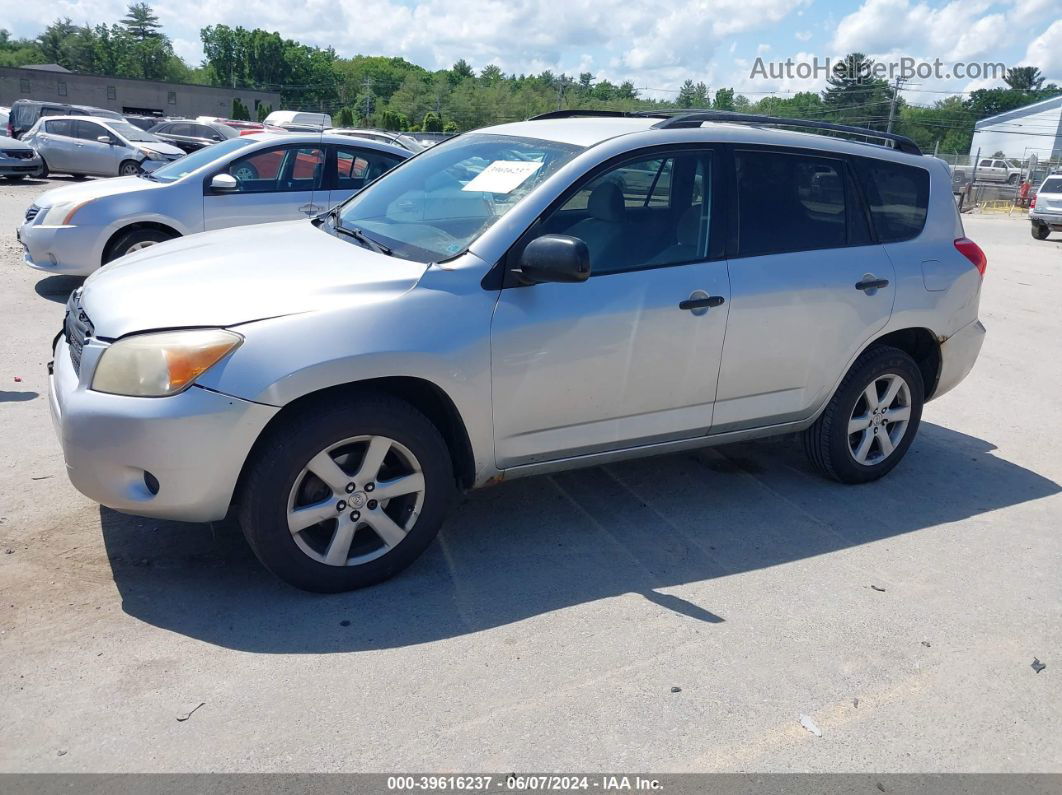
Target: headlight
61,214
163,363
151,154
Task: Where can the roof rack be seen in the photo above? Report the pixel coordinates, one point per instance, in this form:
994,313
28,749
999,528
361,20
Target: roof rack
694,119
681,117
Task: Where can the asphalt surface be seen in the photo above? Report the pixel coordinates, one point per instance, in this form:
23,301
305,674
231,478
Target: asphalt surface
550,624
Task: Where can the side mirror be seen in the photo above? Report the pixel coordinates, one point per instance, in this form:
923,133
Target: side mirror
555,258
224,183
105,139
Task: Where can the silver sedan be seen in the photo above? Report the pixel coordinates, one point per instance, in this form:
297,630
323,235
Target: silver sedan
247,180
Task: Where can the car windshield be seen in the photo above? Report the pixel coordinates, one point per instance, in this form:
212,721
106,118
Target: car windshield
433,206
171,172
412,144
1053,185
131,132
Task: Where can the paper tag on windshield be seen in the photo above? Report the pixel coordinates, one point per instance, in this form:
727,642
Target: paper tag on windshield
503,176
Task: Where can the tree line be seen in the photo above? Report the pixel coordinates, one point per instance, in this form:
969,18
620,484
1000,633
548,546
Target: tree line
394,93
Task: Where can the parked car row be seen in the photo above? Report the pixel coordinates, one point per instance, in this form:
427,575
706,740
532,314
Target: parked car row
536,296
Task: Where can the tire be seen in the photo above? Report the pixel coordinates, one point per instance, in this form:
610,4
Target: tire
128,168
834,451
44,169
279,482
134,240
1040,231
1012,179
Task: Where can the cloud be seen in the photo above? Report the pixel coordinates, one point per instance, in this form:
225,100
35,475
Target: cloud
803,35
1045,52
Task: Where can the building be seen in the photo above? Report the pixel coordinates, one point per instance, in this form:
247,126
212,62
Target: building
1033,130
126,95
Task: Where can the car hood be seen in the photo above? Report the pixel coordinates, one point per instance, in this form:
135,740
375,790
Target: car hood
238,275
96,189
160,146
12,143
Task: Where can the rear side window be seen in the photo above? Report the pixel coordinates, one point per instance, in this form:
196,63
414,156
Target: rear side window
790,202
60,127
898,196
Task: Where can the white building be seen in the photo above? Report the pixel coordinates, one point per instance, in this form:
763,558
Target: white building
1034,129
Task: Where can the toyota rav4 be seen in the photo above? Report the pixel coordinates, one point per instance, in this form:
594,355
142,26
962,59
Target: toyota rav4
535,296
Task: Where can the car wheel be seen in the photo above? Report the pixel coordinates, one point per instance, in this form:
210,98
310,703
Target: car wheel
1012,179
1040,231
128,168
871,420
341,496
44,169
134,240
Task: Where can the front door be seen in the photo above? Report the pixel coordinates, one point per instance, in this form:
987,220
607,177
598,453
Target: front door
94,157
281,183
629,357
809,288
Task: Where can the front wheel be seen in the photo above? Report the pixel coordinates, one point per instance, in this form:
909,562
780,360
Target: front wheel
346,495
128,168
1012,179
135,240
871,420
1040,231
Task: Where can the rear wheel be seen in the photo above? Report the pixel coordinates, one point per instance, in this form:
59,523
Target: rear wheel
128,168
135,240
1040,231
343,496
871,420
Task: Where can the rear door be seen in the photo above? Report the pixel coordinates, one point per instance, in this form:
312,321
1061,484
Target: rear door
353,167
57,143
92,156
279,183
809,287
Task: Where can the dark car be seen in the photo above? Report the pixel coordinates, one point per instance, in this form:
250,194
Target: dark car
192,136
25,112
145,123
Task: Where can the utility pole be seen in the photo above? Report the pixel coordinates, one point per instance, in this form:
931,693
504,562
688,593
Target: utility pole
892,102
367,85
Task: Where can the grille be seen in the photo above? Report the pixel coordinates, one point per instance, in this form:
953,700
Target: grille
77,328
31,213
19,154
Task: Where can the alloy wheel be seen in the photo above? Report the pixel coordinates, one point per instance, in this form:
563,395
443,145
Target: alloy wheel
879,419
355,501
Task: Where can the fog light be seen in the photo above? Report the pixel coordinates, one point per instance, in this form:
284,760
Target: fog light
151,482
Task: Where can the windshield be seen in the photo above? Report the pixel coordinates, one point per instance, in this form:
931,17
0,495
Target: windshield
433,206
1052,185
131,132
412,144
171,172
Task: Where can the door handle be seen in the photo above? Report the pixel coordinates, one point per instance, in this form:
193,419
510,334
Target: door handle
309,209
700,300
871,284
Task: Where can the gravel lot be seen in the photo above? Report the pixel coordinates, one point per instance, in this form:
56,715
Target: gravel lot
549,625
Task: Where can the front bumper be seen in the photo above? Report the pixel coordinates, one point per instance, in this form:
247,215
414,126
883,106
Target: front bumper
66,250
26,167
194,443
957,356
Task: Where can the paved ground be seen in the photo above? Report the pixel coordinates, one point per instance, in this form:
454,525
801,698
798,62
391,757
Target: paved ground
548,626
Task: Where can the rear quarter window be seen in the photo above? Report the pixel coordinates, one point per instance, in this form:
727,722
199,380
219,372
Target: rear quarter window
898,196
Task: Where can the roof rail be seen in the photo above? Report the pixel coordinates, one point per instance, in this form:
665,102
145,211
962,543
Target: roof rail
694,119
573,113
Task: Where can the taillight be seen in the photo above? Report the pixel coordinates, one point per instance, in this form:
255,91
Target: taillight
972,252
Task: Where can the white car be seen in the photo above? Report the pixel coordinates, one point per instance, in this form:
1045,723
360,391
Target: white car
1045,212
93,145
250,179
994,169
298,119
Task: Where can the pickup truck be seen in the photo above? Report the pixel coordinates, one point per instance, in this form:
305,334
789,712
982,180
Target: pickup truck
994,169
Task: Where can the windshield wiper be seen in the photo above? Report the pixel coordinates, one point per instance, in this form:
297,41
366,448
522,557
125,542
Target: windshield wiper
360,236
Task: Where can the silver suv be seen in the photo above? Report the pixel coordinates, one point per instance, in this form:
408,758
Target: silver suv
535,296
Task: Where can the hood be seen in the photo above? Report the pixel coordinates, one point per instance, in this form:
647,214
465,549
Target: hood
159,146
12,143
96,189
238,275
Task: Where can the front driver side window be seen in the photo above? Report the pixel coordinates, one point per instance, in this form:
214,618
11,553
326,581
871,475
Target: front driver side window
279,169
641,214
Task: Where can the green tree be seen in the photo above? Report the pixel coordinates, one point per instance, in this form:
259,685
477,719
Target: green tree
240,112
431,123
724,99
345,118
141,23
854,96
450,127
263,111
686,95
700,96
461,71
1024,78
